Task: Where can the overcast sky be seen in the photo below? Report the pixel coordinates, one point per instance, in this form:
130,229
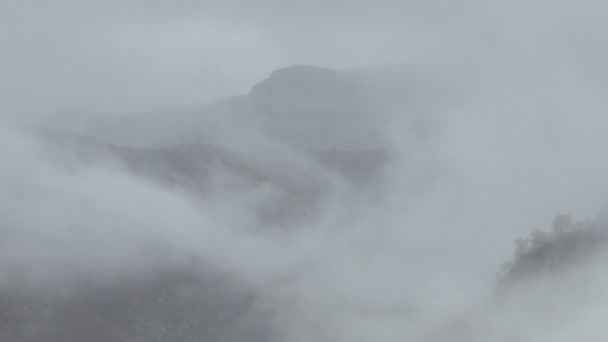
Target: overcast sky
519,139
129,55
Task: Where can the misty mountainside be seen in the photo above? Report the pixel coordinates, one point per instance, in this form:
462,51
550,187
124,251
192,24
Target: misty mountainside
295,192
303,171
305,117
556,278
567,246
300,132
174,304
292,139
192,163
303,106
282,212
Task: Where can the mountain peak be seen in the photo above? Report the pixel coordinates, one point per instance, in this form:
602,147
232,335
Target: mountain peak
301,69
299,76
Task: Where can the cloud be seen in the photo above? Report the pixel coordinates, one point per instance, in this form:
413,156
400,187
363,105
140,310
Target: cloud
511,97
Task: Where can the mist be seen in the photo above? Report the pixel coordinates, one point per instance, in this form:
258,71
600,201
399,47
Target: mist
324,171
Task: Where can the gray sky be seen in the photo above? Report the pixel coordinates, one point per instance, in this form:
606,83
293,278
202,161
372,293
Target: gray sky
134,56
521,138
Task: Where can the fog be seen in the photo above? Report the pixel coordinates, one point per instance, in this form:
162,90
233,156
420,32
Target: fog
318,171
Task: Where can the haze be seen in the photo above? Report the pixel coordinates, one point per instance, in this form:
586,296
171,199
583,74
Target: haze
315,171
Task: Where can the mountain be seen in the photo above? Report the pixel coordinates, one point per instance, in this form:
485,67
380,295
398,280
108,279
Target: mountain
284,151
297,132
302,106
